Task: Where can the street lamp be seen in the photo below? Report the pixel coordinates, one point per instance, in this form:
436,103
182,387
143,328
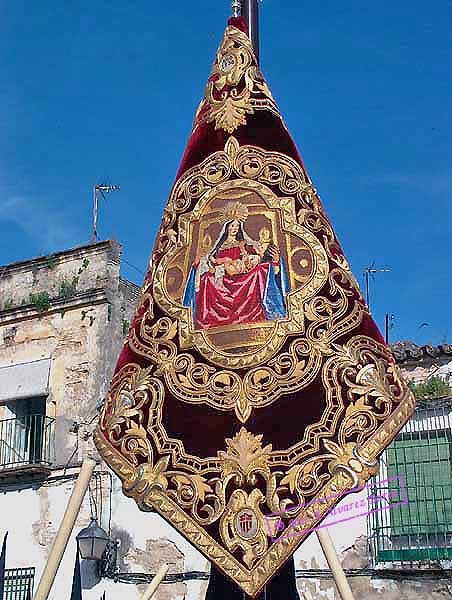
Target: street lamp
92,541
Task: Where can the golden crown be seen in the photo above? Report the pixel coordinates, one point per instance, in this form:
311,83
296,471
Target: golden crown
234,211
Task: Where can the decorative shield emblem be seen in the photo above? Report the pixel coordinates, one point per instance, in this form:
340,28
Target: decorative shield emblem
246,524
254,389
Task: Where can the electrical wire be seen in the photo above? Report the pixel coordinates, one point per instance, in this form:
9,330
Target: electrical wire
92,501
110,503
133,266
66,466
78,423
101,499
392,574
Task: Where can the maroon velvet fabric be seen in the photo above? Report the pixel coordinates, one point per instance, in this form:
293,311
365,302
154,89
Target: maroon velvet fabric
284,422
202,428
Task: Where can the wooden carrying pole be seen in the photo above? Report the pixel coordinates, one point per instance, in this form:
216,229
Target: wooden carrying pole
159,576
331,556
65,530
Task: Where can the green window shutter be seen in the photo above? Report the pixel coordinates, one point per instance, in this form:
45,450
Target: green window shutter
426,468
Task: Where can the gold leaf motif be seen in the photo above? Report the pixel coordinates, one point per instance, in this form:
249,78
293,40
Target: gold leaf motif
230,113
245,453
224,378
259,376
291,478
355,412
155,474
197,481
341,454
136,430
194,381
365,401
202,486
126,403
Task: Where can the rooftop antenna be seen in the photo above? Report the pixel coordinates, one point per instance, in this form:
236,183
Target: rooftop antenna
389,324
103,189
250,12
368,272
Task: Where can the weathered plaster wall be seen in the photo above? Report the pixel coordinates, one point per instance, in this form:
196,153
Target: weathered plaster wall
365,588
146,541
356,556
71,307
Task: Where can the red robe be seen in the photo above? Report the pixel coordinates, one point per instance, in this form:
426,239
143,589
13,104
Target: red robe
239,300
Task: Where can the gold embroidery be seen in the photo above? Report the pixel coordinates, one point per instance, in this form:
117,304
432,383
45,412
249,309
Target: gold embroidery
234,211
257,545
193,492
271,176
236,87
244,453
366,401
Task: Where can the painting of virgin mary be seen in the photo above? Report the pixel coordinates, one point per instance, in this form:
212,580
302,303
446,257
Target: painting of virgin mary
238,280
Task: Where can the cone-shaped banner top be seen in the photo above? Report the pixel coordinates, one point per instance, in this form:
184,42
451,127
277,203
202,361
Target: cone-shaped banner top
254,390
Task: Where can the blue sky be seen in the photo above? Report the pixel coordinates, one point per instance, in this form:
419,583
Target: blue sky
106,91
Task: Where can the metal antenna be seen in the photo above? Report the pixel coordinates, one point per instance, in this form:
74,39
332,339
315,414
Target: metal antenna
103,189
367,273
250,12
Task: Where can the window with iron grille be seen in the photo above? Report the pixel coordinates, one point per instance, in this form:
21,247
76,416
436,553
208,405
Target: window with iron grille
419,459
19,583
26,433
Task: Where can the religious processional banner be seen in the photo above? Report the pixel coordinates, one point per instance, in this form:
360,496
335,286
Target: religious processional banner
253,390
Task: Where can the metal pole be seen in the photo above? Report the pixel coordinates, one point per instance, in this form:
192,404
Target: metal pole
387,327
367,288
159,576
250,12
96,201
332,558
65,530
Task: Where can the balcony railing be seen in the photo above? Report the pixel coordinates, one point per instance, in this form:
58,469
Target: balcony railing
19,583
26,441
